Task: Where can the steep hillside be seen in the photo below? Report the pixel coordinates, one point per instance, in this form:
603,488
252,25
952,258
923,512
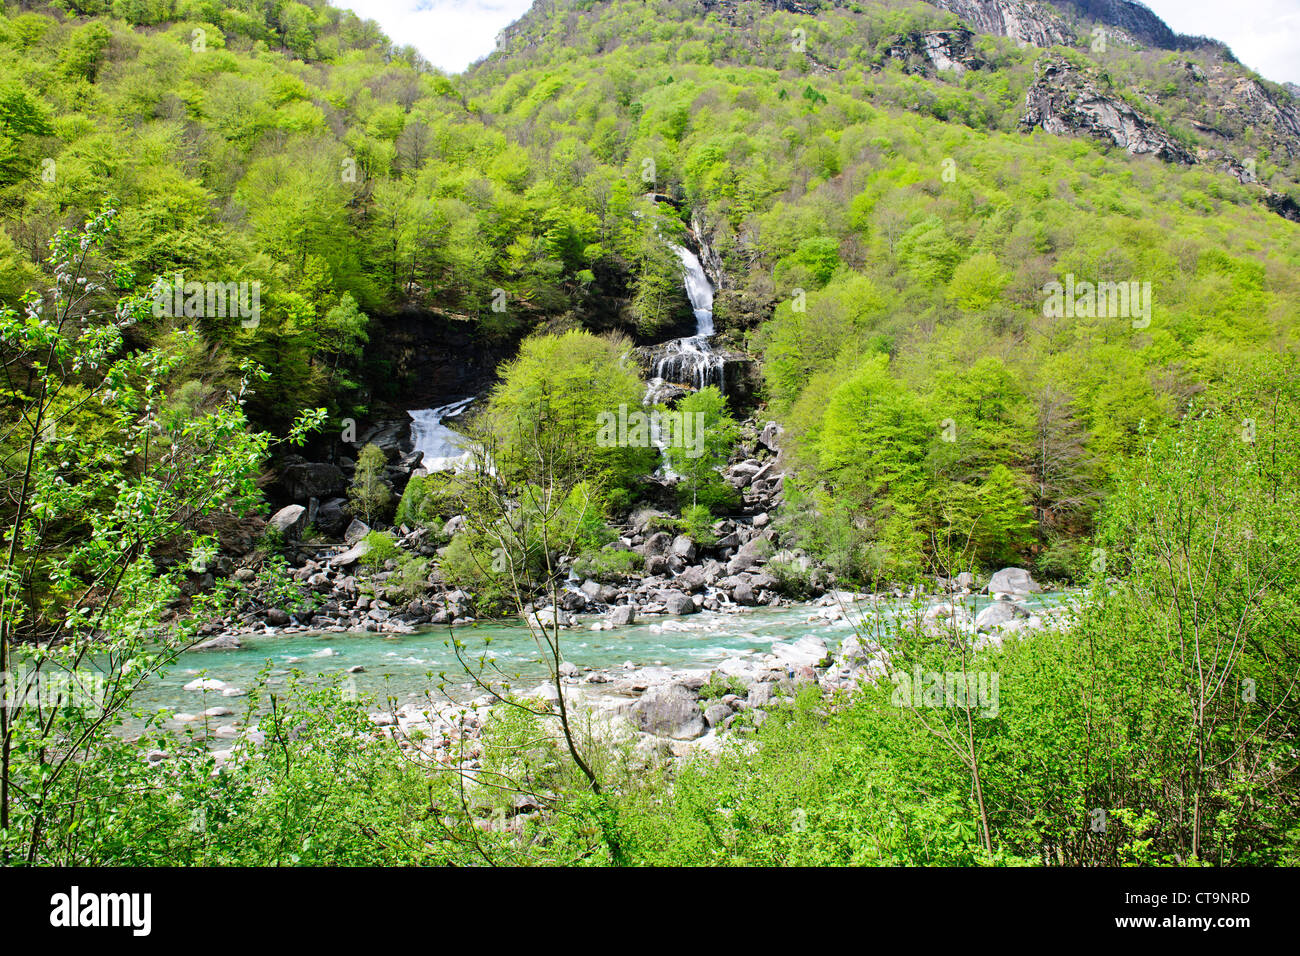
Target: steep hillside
884,194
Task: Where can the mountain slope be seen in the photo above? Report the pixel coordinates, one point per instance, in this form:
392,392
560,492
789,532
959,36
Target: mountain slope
885,196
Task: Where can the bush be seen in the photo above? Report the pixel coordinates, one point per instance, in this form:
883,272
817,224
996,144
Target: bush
383,547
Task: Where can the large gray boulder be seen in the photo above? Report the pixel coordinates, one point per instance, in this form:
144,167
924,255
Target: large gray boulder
357,530
289,521
669,711
680,603
622,615
332,516
996,615
1013,581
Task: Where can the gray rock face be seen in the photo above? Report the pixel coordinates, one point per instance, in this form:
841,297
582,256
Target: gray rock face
277,617
684,546
670,711
1034,24
289,521
946,50
310,479
1013,581
1065,101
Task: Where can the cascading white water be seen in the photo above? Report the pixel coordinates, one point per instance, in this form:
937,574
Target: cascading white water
442,448
691,360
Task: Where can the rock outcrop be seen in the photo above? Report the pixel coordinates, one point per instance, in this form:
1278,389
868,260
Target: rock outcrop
1065,100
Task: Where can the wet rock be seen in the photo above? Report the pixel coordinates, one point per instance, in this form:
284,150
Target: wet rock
679,602
622,615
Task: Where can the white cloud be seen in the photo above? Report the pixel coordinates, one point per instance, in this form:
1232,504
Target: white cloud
450,34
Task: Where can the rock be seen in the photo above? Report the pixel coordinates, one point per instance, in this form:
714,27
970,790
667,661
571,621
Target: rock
218,712
808,651
244,575
621,615
716,714
309,479
684,547
205,683
995,615
658,543
289,521
760,695
226,642
656,564
770,436
692,579
679,602
352,555
277,617
743,593
568,669
742,562
332,517
1013,581
549,617
356,530
454,526
669,711
1064,100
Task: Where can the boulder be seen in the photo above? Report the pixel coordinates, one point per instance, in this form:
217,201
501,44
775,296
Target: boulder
277,617
995,615
678,602
289,521
669,711
352,555
743,593
357,530
808,651
716,714
658,543
226,642
332,517
684,547
622,614
1013,581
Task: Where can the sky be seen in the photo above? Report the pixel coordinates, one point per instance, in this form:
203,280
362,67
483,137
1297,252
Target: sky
452,34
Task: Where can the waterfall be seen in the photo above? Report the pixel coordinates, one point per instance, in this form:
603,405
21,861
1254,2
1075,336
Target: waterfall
691,360
442,448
